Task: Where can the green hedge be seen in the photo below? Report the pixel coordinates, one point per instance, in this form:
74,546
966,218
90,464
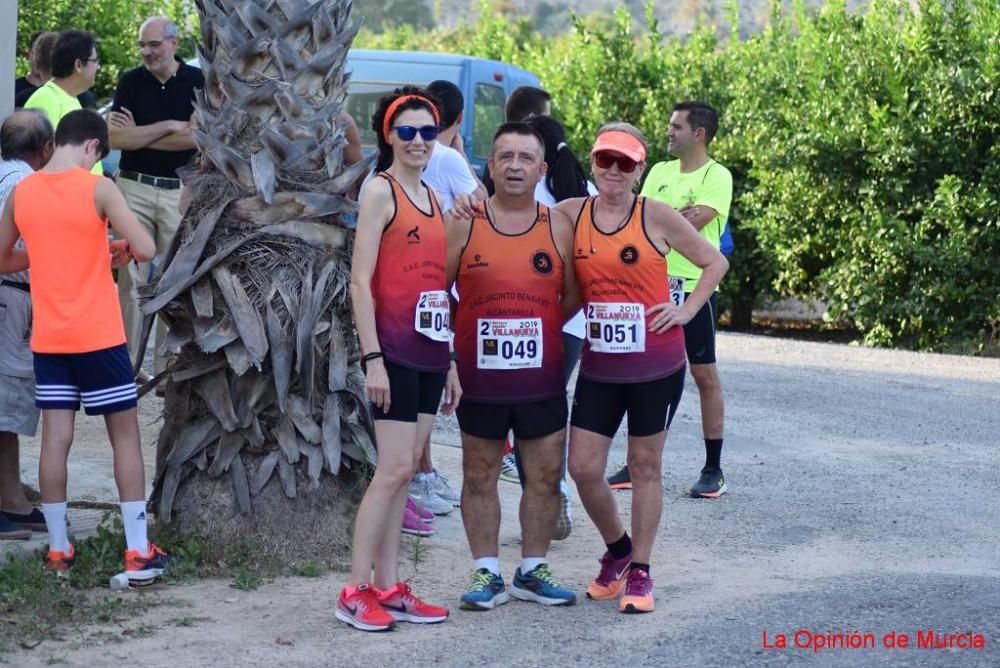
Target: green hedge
863,147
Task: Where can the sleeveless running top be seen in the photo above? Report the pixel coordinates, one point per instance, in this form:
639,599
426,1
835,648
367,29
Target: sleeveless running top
621,274
411,304
508,329
73,296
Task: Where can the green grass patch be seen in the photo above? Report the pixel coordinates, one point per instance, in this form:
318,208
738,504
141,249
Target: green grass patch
38,606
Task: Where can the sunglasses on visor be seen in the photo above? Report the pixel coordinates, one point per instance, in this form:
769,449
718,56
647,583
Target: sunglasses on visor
408,132
605,160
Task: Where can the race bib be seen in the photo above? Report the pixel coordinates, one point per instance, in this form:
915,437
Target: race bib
616,327
432,315
509,343
676,291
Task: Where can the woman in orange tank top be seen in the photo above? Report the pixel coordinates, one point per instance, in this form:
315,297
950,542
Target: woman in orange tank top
634,359
401,311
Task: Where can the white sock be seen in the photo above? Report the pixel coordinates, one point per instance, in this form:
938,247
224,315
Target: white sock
529,564
55,522
134,518
492,564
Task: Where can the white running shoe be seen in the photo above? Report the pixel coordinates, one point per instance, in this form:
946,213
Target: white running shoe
564,525
443,488
422,491
508,469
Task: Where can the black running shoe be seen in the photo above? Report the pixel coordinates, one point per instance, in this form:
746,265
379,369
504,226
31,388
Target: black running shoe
711,484
620,480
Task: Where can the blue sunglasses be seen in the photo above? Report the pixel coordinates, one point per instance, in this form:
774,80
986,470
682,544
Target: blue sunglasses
408,132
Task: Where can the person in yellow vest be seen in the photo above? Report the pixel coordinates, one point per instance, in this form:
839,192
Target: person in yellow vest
701,190
74,65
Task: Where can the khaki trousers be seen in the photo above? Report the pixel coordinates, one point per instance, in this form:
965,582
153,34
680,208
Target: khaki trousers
156,209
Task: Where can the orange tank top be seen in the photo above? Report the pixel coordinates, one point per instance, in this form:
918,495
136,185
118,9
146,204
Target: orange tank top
508,326
411,305
73,296
621,274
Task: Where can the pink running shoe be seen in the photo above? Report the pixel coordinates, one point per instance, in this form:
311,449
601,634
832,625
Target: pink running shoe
412,524
421,512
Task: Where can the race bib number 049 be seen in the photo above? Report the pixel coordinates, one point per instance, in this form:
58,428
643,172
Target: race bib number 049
615,327
432,315
676,291
509,343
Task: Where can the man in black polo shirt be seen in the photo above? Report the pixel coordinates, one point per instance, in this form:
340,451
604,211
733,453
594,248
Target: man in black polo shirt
150,122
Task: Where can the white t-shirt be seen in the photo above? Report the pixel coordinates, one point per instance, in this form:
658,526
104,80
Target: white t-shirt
577,325
448,174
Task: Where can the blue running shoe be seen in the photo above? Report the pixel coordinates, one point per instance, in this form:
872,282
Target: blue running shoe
539,586
486,591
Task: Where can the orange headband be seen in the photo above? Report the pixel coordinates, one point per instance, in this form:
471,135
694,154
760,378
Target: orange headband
395,105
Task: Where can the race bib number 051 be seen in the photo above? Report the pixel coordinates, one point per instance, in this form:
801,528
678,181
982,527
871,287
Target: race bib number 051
509,343
432,315
616,327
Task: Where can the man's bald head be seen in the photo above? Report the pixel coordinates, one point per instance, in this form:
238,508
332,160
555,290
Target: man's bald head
27,135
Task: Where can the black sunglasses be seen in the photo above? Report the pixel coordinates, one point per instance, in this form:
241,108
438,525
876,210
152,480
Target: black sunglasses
605,160
408,132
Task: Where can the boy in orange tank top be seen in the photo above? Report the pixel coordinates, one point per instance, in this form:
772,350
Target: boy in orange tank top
78,341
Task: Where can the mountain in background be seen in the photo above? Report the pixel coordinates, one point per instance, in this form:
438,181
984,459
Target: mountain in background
677,18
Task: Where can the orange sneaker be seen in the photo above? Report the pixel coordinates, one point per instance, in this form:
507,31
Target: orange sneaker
143,567
609,582
359,607
400,602
60,562
638,592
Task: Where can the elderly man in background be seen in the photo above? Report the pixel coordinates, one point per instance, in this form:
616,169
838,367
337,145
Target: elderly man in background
150,122
26,142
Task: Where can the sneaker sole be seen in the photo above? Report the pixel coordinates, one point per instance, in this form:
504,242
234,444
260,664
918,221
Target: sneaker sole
633,610
528,595
415,619
708,495
143,576
361,626
499,599
620,485
605,597
507,478
418,532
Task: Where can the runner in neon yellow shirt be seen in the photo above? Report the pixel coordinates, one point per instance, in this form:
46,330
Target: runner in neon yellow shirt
702,190
74,67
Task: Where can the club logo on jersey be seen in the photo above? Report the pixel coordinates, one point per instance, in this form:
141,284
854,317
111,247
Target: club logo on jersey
541,262
413,236
629,255
477,262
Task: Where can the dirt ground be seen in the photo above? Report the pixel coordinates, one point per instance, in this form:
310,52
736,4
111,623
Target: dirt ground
863,497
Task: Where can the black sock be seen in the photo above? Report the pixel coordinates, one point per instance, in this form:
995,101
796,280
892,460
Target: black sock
621,548
713,453
636,565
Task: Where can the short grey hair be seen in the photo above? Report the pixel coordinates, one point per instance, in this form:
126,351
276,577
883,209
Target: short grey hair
169,27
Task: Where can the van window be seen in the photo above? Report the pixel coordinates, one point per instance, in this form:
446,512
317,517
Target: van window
362,101
489,115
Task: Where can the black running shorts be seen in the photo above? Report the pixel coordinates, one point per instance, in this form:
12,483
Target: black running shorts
411,392
528,421
599,407
699,334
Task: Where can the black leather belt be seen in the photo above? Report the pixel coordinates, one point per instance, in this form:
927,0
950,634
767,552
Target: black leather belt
155,181
17,285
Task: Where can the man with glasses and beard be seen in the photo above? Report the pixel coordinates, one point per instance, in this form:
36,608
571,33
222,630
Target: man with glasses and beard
150,122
